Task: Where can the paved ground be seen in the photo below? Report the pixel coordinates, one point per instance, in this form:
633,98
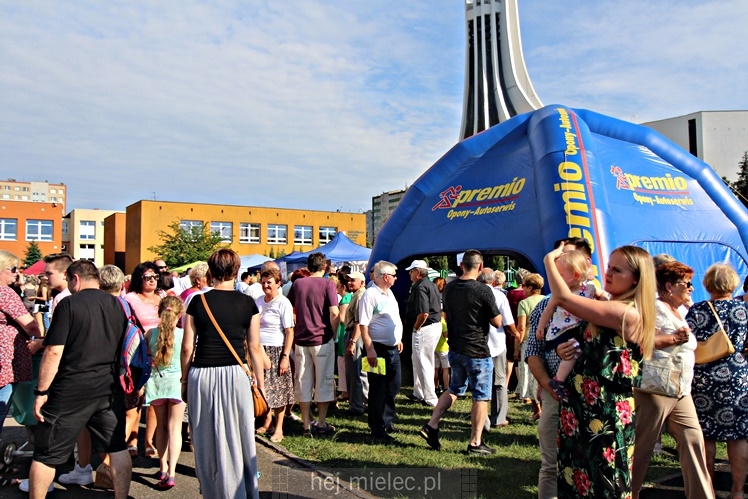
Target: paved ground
282,476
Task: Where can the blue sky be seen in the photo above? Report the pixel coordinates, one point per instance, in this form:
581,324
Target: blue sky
316,104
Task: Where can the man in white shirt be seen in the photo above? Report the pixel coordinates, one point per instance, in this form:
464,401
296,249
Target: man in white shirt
382,333
497,346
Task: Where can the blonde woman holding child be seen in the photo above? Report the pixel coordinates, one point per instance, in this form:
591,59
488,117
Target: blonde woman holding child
564,326
164,389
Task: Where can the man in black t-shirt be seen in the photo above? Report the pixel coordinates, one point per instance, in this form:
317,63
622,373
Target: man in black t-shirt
78,384
469,308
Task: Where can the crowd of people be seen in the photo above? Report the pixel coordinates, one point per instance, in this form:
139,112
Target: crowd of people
588,359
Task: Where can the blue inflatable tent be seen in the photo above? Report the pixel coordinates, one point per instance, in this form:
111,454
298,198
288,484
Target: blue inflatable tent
558,172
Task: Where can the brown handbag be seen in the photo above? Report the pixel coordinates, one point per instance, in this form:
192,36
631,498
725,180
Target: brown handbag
716,346
260,403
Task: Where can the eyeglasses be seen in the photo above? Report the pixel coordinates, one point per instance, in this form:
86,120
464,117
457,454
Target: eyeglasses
150,278
160,267
688,284
13,270
392,275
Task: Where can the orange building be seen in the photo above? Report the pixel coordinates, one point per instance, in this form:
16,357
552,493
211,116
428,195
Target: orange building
114,239
22,222
246,229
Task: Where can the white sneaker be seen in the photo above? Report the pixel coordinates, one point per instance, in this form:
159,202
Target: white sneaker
79,476
24,486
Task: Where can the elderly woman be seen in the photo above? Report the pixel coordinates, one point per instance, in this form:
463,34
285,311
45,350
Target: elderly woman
532,285
719,387
276,337
674,345
15,345
216,388
596,425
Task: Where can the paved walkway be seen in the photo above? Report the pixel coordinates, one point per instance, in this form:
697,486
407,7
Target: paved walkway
282,476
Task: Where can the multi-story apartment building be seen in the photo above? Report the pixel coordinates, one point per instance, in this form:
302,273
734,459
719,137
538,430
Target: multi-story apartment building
381,207
22,222
40,192
246,229
83,234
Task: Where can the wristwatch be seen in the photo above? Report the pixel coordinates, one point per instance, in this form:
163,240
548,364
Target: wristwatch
283,355
40,393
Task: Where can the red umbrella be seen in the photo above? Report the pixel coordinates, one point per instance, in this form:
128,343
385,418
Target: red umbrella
35,269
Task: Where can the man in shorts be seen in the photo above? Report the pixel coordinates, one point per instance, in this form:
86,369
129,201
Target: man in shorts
315,302
470,308
78,386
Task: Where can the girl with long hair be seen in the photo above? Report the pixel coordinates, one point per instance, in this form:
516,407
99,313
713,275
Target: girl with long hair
164,389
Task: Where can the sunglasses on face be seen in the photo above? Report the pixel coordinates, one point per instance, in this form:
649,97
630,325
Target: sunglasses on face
688,284
13,270
150,278
160,268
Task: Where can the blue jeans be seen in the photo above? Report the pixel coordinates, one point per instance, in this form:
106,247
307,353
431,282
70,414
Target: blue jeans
475,374
6,395
383,389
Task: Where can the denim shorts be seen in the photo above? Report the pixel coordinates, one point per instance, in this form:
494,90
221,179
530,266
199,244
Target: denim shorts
471,374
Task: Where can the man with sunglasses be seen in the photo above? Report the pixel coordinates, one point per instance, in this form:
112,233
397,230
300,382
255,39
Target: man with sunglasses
382,334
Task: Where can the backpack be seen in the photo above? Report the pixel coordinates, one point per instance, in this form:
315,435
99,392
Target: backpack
135,357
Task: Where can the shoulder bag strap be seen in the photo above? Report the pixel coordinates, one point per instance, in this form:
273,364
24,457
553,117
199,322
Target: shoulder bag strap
223,336
719,321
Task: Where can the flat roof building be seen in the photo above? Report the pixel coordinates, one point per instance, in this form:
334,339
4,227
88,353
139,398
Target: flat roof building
718,138
246,229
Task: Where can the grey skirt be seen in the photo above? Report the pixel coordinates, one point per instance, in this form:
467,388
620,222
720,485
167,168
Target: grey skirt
219,400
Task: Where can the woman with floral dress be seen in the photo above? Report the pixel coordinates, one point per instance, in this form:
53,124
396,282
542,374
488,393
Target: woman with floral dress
596,425
720,388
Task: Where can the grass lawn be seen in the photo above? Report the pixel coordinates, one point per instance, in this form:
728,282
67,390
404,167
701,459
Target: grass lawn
511,472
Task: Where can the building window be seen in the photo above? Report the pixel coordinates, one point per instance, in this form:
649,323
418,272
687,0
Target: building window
24,198
302,235
326,234
87,252
65,225
277,234
6,196
187,225
87,229
17,188
8,229
25,189
249,233
53,191
225,230
7,187
39,230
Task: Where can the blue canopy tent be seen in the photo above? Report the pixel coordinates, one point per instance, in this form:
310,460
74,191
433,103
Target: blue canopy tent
339,249
558,172
250,262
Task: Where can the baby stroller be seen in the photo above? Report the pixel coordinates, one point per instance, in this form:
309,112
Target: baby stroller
22,410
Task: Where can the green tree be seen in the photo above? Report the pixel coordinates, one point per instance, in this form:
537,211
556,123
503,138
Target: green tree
33,254
740,186
437,262
186,246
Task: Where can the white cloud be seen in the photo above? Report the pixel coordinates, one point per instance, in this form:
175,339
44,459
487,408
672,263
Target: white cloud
315,104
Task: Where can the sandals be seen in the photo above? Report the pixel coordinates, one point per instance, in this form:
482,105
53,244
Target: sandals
151,452
276,440
323,431
133,450
166,483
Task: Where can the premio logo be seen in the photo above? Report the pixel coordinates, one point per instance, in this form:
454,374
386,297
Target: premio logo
463,203
664,190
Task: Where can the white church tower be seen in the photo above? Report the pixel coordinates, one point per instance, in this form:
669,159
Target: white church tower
497,85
